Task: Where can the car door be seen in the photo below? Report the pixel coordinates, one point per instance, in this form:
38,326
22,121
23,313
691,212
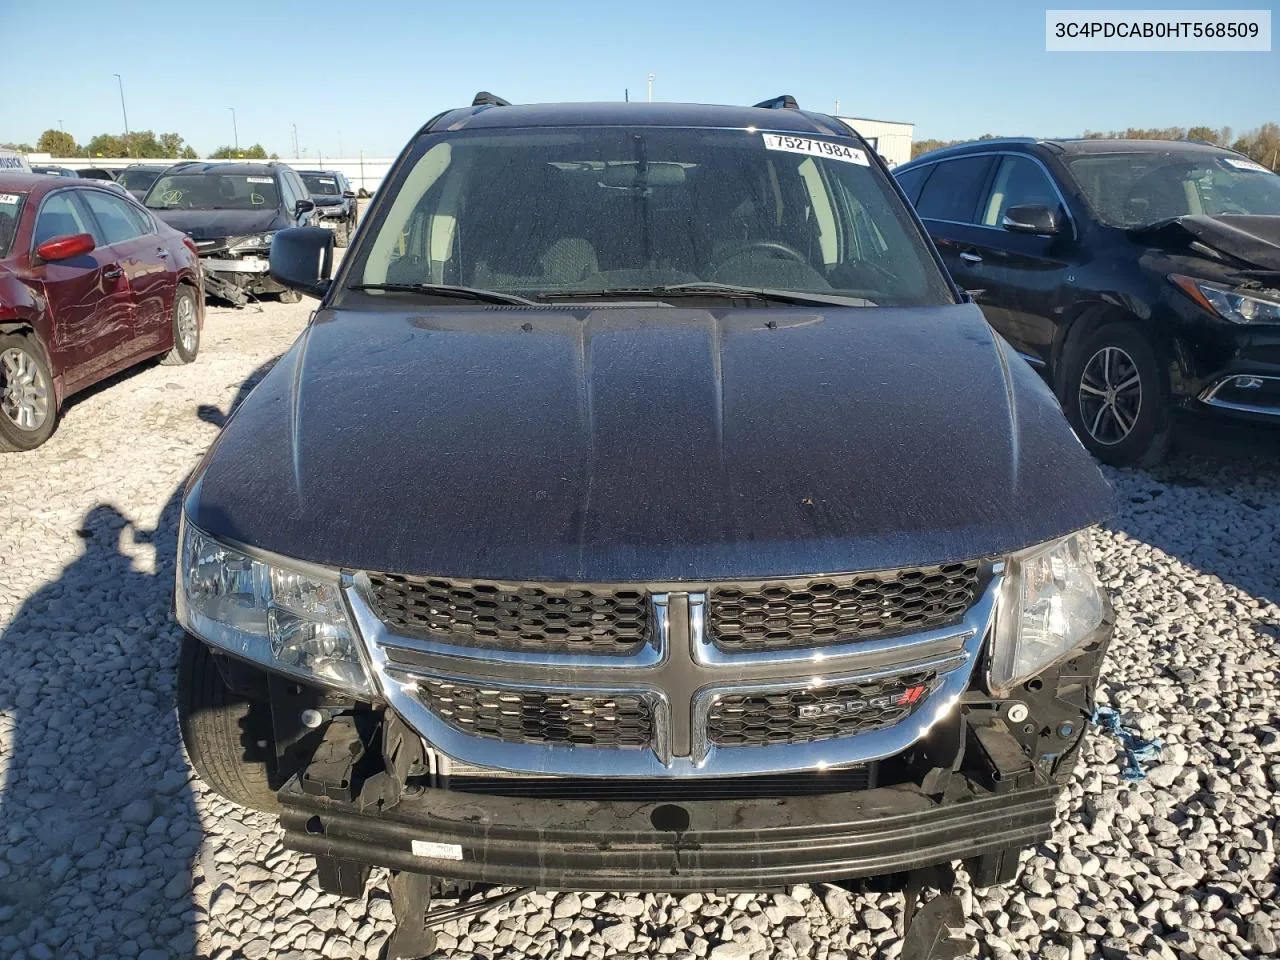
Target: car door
948,205
308,218
130,233
289,197
89,297
1023,274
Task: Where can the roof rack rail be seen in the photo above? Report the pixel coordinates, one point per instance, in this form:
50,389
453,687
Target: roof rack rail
486,99
784,102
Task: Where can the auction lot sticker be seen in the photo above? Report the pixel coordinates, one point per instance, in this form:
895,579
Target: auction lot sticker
1157,30
815,148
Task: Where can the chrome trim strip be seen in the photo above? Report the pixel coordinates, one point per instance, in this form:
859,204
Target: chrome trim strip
1209,396
680,681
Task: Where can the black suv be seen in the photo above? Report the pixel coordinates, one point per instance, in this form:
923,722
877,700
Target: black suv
642,509
335,200
137,178
1141,277
231,211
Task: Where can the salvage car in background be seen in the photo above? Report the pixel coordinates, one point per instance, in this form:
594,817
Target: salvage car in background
642,509
90,283
137,178
231,211
1141,277
335,200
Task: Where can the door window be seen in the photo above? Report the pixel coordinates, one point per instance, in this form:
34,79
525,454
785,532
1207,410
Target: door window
288,194
1019,181
59,217
912,180
952,192
114,218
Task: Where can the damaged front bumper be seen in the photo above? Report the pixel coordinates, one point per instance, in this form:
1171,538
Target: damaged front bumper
978,788
237,279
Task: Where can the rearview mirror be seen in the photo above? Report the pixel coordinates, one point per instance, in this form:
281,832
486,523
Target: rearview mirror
302,259
1031,218
304,206
64,248
659,173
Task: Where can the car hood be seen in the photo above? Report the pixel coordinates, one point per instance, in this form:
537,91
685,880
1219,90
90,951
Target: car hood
647,444
1254,240
216,224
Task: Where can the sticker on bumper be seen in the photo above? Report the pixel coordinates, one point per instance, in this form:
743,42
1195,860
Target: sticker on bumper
815,148
437,851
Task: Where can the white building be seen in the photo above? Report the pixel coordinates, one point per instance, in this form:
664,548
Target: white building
888,138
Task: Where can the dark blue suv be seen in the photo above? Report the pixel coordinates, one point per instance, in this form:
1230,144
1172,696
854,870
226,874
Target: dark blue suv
1140,277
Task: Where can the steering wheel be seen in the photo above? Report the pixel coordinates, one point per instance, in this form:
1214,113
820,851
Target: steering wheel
771,246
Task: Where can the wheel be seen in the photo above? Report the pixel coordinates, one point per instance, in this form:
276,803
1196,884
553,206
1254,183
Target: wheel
186,328
290,296
227,736
28,412
1117,396
342,234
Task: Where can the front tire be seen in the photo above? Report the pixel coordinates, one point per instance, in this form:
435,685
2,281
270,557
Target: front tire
28,408
342,234
186,328
1116,396
227,736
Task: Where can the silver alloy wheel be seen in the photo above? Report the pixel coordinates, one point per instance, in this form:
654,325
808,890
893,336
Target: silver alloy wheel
186,324
24,390
1110,395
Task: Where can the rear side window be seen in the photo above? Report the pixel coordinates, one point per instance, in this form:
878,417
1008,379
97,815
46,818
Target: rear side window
113,215
59,217
10,211
952,192
912,180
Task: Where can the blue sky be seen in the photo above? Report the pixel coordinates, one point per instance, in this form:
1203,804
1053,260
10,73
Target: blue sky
954,69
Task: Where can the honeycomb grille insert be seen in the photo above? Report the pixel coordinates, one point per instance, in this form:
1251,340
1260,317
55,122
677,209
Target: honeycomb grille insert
476,613
788,614
816,714
528,716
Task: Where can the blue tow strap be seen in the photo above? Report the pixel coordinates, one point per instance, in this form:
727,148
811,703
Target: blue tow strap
1138,750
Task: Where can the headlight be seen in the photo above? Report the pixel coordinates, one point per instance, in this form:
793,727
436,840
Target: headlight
289,619
1050,602
256,241
1231,303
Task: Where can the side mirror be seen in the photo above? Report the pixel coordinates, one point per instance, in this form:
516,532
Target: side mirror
305,206
1032,218
302,259
348,194
64,248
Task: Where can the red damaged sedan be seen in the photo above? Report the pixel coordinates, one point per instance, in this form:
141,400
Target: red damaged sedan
90,283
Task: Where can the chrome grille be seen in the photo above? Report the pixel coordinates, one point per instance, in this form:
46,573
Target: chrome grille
814,714
528,716
786,614
523,617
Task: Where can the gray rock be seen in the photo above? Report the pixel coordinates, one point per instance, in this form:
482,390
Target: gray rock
619,936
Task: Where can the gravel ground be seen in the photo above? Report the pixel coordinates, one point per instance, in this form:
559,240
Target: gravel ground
111,849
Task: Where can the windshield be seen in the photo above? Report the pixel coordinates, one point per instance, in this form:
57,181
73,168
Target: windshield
137,179
553,210
320,186
213,191
10,209
1139,189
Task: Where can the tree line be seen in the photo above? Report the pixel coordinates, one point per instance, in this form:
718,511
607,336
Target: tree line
137,144
1262,144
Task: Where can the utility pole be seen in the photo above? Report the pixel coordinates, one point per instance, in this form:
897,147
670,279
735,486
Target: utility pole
837,106
235,131
128,145
651,88
60,130
295,141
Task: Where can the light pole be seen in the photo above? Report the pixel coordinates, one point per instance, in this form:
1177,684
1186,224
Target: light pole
235,132
295,141
651,88
127,145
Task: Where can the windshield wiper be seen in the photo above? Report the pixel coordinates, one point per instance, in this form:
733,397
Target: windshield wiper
700,288
801,297
447,290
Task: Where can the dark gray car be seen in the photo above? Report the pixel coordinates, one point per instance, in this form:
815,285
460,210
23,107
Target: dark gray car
335,200
642,509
